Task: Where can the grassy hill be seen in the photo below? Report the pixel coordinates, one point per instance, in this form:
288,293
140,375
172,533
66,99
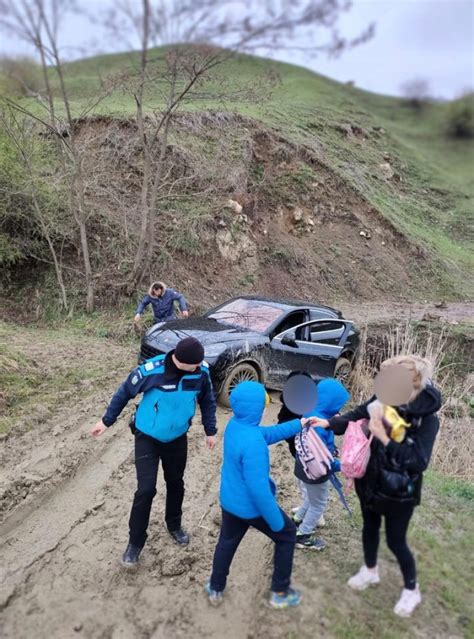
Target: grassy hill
352,160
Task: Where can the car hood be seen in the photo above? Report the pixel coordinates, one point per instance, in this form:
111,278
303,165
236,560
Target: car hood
166,335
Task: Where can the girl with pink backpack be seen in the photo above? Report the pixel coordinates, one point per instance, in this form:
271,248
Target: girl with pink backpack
315,462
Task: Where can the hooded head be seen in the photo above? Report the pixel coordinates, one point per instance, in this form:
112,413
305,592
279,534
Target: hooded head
248,401
332,395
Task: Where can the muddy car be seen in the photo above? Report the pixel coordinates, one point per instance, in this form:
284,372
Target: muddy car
263,339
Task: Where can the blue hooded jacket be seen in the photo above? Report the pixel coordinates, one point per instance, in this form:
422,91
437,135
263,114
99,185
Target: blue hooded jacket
332,396
247,490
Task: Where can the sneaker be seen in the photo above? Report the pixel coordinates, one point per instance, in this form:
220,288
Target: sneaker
215,597
180,536
364,578
297,520
286,599
321,523
295,509
308,541
408,601
131,556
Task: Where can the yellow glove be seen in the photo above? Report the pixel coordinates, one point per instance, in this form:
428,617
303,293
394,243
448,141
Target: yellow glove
395,424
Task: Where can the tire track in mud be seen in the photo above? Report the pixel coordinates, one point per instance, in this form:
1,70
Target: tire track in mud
61,555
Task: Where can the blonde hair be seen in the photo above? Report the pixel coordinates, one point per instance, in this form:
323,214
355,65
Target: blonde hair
155,285
420,367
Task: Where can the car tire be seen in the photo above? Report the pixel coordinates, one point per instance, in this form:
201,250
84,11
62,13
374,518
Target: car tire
240,373
343,370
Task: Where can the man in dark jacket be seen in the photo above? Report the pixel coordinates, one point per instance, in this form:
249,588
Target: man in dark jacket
171,386
162,301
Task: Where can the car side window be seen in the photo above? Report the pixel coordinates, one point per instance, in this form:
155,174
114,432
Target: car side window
329,332
291,320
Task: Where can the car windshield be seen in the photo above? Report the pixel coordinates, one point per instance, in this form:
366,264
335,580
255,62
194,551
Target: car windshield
250,314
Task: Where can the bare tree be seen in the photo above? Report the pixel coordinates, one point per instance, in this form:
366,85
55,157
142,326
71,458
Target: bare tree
23,140
37,22
209,33
416,91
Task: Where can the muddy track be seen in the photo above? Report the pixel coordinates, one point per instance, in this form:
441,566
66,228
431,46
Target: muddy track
65,508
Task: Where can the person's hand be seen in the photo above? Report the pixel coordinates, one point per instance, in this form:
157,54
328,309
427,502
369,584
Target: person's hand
137,318
211,441
377,428
315,422
98,429
185,314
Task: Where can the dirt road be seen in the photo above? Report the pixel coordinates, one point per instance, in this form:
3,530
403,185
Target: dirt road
65,504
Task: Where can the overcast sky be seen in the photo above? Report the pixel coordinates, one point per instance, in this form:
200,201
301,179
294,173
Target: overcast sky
432,39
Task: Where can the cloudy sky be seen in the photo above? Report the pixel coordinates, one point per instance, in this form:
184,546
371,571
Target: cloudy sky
431,39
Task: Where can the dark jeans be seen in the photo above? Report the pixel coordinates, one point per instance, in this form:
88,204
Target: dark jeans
148,452
233,530
396,527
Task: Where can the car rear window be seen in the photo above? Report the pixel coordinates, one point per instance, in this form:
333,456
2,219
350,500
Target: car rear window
250,314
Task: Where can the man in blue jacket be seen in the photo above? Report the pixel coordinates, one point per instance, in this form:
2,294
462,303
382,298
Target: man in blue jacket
171,387
247,494
162,301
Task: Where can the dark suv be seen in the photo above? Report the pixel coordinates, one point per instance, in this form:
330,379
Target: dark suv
263,339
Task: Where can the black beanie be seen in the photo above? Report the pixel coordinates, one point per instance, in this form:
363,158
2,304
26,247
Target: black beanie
189,351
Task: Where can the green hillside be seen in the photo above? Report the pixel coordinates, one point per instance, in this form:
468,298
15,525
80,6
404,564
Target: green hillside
398,160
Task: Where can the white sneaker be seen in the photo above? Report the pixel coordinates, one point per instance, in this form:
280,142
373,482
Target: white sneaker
295,509
364,578
321,523
408,601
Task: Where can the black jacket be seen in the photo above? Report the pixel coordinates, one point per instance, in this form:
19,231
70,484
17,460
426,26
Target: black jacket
412,455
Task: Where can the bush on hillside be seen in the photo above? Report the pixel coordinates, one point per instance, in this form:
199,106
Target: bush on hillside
460,120
19,77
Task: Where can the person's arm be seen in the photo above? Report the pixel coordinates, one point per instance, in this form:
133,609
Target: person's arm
207,404
179,297
339,423
414,453
142,305
127,391
279,432
256,472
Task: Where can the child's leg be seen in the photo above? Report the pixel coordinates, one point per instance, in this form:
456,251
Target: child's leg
317,495
233,530
284,549
371,536
303,509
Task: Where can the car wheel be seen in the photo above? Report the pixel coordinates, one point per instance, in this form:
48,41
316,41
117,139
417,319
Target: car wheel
343,370
244,372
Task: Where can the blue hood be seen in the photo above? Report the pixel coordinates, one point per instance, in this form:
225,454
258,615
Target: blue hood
332,395
248,402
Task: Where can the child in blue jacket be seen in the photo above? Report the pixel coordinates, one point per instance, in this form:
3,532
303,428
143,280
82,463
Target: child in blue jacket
332,396
247,494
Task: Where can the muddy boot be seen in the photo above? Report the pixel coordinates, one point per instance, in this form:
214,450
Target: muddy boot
180,536
131,556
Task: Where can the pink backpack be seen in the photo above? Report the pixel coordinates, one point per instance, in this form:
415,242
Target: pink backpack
355,452
313,454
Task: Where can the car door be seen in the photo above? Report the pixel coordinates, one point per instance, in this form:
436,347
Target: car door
313,347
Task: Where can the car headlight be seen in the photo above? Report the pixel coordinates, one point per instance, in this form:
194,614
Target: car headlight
214,350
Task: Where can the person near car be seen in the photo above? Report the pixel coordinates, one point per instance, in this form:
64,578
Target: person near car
331,397
171,386
248,495
162,300
391,486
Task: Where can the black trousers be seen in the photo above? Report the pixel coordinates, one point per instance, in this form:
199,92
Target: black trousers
233,530
148,452
396,527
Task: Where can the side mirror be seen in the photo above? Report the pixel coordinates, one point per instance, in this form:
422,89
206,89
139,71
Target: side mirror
289,340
